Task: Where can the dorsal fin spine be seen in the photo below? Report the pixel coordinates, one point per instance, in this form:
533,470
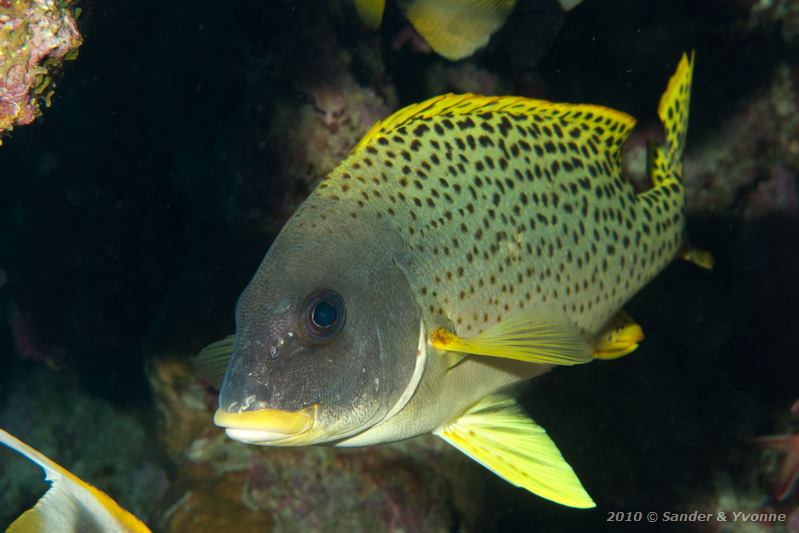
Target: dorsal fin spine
456,105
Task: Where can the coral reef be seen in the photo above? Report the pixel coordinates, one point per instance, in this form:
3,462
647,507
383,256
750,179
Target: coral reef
409,486
782,15
36,36
751,166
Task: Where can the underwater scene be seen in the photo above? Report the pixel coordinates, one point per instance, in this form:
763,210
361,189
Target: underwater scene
399,265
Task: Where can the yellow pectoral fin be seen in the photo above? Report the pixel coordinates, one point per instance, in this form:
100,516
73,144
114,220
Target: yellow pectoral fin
371,12
620,338
70,504
524,336
500,436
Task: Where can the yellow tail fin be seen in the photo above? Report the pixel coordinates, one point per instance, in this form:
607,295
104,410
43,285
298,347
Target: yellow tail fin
666,162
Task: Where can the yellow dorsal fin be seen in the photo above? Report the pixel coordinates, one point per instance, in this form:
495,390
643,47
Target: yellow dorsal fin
211,363
620,337
610,126
673,112
371,12
456,28
70,504
527,336
500,436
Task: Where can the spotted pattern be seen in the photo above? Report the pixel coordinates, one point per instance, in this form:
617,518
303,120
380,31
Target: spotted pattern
509,203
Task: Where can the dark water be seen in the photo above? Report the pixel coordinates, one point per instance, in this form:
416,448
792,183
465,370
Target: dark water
135,211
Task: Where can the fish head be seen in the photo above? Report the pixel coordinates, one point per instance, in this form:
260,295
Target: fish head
327,335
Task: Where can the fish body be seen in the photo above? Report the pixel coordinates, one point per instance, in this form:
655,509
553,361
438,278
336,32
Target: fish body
455,29
71,504
466,244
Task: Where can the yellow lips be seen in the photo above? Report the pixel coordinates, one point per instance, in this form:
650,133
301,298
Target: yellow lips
268,420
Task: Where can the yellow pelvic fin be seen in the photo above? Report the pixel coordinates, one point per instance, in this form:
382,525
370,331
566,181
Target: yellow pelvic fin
211,363
456,28
673,113
500,436
610,127
371,12
620,338
70,504
699,257
525,336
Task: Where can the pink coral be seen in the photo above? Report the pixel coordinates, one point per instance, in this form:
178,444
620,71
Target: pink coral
35,36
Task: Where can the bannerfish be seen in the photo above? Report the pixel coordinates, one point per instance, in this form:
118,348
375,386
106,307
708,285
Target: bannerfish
455,29
466,244
70,504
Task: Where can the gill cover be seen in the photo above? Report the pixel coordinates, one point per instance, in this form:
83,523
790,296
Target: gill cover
327,330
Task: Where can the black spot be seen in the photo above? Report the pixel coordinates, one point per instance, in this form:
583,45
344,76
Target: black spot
420,130
466,123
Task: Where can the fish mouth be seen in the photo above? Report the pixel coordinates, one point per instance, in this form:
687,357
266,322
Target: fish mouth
268,426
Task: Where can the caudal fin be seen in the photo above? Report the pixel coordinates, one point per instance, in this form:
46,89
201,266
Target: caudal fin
70,504
665,162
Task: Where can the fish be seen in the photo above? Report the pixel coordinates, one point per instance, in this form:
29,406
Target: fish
465,245
70,504
455,29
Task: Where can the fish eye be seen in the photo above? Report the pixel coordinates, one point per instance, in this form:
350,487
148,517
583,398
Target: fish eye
323,315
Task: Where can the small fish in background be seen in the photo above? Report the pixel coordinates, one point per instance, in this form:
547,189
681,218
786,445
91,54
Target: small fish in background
466,244
455,29
70,504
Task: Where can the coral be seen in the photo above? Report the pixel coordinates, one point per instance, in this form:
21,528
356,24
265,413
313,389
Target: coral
317,134
749,166
412,486
36,36
780,14
462,78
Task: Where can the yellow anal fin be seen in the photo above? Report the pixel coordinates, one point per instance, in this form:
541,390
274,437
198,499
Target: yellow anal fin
70,504
673,110
620,338
371,12
456,28
698,256
500,436
211,363
524,336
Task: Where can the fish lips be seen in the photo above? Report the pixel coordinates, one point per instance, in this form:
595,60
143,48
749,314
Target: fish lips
270,427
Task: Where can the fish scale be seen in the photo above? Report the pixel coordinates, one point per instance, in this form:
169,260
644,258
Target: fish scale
465,245
509,204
